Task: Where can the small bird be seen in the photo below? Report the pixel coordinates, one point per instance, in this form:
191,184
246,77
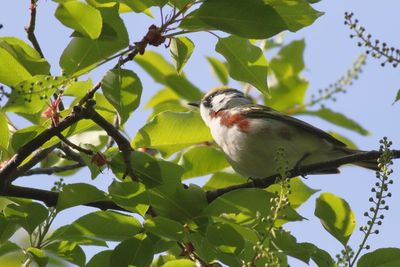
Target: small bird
250,136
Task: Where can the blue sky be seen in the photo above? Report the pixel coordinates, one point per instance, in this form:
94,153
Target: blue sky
329,53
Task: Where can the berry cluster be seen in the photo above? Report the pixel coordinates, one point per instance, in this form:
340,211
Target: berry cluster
374,47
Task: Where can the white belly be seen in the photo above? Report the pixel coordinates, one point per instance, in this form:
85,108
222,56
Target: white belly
252,153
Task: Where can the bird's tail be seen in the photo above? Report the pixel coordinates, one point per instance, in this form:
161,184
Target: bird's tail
369,164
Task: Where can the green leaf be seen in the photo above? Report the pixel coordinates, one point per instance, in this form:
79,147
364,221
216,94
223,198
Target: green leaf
303,251
150,171
101,259
162,96
68,251
180,263
78,194
19,61
192,23
290,88
223,179
170,131
180,205
202,160
246,62
220,69
28,215
289,60
183,87
336,216
299,192
83,54
181,49
8,247
130,196
165,228
287,93
102,225
225,238
123,90
80,17
39,256
137,251
244,205
155,65
7,229
247,201
33,95
257,19
79,89
383,257
4,137
22,136
338,119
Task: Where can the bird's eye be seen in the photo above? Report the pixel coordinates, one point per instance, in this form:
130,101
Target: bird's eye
207,102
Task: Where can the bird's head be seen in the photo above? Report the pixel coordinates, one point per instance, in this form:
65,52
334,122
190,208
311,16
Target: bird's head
218,100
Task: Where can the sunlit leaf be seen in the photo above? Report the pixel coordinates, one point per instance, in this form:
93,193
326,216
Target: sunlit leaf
171,131
385,257
28,215
78,194
155,65
336,216
130,195
34,95
101,259
80,17
183,87
257,19
136,251
165,228
225,238
38,255
180,205
68,251
181,49
180,263
223,179
299,191
202,160
83,54
162,96
220,69
246,62
338,119
302,251
19,61
123,89
108,226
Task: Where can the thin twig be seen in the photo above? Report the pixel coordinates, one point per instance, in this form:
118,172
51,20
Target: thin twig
30,29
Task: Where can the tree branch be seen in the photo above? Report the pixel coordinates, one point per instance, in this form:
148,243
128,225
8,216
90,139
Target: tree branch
123,143
50,197
10,167
30,29
303,170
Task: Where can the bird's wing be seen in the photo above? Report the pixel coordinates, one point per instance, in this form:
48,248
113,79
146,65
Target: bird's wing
258,111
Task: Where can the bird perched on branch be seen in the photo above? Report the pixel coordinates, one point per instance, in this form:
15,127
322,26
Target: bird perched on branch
250,136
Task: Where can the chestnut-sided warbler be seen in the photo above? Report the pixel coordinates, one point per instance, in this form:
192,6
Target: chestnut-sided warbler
250,136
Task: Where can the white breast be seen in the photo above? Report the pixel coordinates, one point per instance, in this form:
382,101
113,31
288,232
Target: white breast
252,153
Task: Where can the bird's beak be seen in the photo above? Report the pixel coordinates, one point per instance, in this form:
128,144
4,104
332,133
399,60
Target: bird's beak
194,103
